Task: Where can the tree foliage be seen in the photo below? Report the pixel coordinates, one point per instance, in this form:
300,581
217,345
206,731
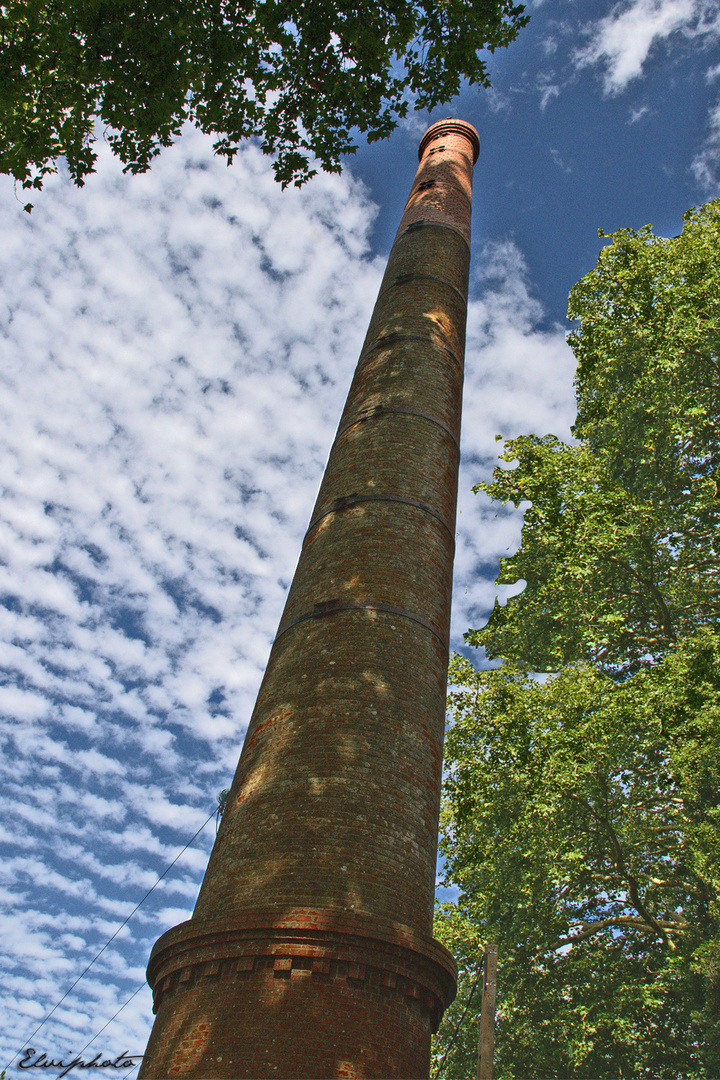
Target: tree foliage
621,546
581,824
581,817
300,76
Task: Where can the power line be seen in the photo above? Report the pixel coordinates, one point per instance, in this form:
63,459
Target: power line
480,972
97,1035
111,939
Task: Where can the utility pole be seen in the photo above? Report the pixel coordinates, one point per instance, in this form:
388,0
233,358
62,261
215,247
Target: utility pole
486,1042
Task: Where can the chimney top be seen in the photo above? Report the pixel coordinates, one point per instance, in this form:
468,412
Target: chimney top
450,127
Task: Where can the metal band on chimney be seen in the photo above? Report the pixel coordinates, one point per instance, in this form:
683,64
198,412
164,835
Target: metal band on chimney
386,410
348,502
400,338
332,607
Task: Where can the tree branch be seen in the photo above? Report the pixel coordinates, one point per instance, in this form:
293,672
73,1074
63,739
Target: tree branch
619,859
641,924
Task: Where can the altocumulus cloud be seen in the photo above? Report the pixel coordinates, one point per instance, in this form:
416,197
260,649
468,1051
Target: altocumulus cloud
622,41
176,351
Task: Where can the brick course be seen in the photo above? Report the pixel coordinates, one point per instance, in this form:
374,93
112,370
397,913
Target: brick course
309,953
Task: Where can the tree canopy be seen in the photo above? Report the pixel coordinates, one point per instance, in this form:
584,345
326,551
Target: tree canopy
621,546
581,822
581,813
300,76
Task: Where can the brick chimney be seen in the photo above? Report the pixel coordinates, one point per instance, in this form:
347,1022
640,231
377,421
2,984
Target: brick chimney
310,951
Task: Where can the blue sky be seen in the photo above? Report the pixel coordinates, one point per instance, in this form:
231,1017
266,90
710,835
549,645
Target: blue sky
176,349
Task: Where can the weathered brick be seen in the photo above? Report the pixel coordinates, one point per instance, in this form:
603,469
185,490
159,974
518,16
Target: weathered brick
314,920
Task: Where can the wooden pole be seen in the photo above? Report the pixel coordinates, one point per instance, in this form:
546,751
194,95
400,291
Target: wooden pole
486,1042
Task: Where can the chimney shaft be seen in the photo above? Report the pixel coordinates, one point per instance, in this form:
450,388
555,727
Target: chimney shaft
310,950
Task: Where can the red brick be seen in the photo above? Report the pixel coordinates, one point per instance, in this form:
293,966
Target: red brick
324,864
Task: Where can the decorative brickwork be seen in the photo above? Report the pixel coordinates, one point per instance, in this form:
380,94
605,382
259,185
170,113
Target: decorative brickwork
310,950
363,969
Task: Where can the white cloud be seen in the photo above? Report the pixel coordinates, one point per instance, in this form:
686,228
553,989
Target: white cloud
548,92
637,114
497,101
561,164
518,381
175,353
705,166
621,42
176,349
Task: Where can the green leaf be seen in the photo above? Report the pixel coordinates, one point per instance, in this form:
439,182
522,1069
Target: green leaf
580,824
298,77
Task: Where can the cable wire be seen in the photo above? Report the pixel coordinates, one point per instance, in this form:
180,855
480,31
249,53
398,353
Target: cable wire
480,972
91,1041
111,939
